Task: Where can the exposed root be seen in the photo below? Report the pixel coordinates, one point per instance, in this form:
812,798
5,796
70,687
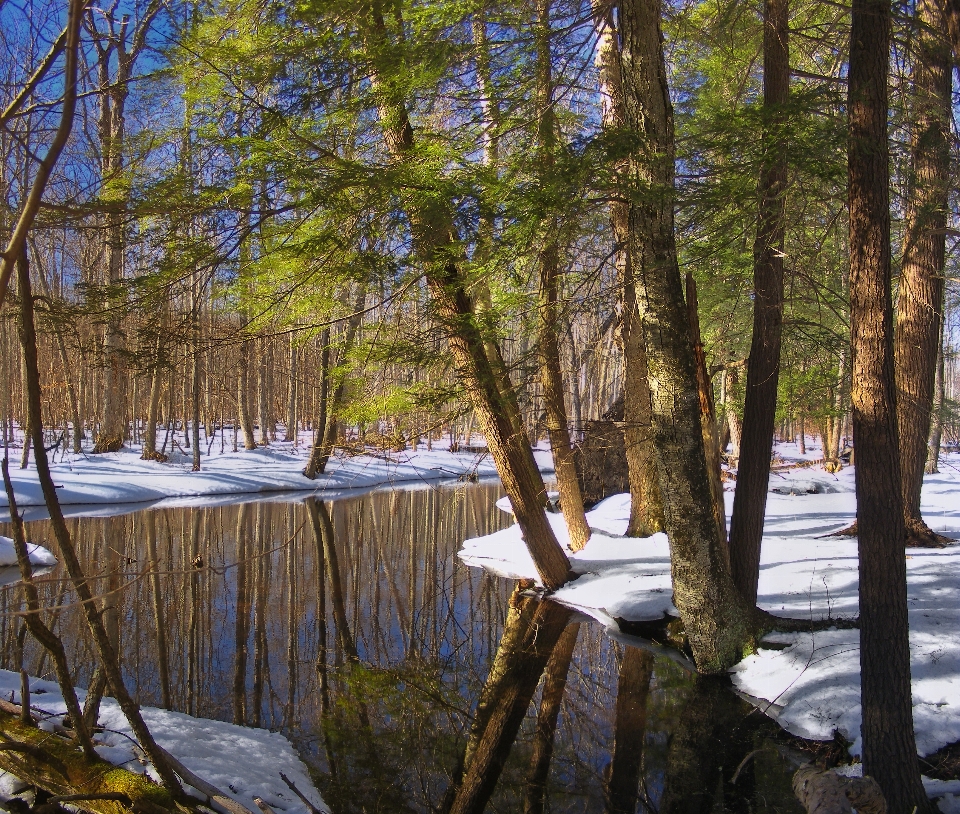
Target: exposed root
767,622
920,535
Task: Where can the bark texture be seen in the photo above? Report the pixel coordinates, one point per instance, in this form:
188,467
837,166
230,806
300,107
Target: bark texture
763,371
921,290
646,505
717,622
889,746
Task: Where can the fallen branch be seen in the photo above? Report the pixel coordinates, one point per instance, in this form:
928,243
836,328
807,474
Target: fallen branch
290,785
216,799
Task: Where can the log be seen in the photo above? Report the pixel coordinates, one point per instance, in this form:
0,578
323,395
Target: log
46,760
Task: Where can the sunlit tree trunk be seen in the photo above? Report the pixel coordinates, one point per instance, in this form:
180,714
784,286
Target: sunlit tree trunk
921,290
936,430
435,242
646,505
889,746
551,375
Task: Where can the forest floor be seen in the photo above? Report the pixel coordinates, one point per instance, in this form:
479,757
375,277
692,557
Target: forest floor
808,682
112,480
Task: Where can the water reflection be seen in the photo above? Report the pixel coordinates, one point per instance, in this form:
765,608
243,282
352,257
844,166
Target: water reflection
407,681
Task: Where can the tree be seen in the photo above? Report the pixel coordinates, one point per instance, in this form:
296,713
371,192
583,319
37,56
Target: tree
763,368
889,747
921,290
719,625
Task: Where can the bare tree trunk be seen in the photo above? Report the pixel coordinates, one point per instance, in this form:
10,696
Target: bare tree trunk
551,375
646,504
153,407
763,371
263,403
435,239
920,301
889,746
936,430
718,623
243,396
291,433
109,660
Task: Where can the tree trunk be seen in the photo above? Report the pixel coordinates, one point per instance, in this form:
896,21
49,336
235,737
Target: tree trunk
646,504
936,430
763,370
435,242
109,660
291,433
718,623
920,301
153,407
889,746
708,423
551,375
243,396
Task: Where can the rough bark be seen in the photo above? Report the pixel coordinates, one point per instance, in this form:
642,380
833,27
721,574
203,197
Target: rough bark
435,242
936,430
646,505
760,396
921,289
717,621
889,746
951,11
708,423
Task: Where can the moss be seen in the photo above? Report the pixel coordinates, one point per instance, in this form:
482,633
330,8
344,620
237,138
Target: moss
136,787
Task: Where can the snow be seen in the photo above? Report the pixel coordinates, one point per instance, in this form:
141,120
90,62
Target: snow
241,762
810,682
37,554
109,480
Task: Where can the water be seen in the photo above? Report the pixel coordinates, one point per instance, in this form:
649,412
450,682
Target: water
352,627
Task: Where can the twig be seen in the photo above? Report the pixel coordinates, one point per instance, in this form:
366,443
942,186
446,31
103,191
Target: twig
290,784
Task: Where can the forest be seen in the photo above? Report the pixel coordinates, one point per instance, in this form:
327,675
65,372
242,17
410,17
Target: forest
701,254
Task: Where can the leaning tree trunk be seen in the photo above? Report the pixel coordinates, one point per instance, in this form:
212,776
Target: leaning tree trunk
718,623
889,746
109,661
760,396
436,244
920,301
551,375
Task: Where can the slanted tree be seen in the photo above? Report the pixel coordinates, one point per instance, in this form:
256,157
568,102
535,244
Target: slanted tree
889,746
436,244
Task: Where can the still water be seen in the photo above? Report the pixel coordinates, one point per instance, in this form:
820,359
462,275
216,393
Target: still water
407,681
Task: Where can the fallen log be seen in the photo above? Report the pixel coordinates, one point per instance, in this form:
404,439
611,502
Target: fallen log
47,761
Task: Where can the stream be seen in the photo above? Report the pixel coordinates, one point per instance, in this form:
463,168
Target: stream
352,627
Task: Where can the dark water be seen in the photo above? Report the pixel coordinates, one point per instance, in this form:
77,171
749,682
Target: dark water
352,627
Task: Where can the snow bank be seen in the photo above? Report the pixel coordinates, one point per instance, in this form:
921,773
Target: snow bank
38,555
809,682
243,763
118,478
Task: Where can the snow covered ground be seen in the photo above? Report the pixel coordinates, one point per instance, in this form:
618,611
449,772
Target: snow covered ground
114,479
38,555
809,682
242,762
